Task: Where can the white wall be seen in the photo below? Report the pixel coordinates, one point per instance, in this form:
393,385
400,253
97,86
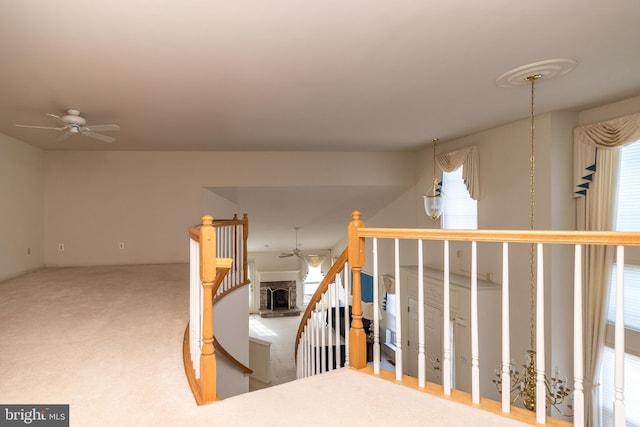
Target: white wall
504,204
610,111
21,207
146,200
230,323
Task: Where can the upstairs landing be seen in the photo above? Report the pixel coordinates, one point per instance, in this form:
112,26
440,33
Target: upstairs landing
349,397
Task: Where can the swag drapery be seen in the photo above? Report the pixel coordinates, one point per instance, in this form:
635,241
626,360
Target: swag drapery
468,158
596,162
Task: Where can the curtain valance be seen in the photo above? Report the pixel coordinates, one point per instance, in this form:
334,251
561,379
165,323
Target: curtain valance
469,159
604,135
314,261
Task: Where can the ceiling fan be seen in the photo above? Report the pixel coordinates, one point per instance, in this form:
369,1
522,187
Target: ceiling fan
73,123
295,252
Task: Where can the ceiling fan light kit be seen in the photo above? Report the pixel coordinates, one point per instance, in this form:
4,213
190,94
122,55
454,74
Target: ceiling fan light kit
74,123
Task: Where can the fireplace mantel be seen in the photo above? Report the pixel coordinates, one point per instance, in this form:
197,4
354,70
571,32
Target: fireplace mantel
279,275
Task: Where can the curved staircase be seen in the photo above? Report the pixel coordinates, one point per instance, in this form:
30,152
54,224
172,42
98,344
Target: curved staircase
218,263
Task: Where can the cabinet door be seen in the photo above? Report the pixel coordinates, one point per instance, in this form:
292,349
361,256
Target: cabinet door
433,341
462,354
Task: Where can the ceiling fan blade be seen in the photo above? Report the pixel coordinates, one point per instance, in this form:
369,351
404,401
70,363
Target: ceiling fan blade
99,137
40,127
102,128
58,118
285,255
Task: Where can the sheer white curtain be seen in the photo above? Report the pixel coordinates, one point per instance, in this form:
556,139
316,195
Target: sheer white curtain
596,161
468,158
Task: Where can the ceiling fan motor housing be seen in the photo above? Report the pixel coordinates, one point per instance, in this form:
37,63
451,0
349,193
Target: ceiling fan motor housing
73,119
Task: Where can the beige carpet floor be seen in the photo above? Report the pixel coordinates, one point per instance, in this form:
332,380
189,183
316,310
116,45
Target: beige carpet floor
108,341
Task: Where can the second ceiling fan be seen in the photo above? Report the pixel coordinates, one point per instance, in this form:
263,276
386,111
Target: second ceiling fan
295,251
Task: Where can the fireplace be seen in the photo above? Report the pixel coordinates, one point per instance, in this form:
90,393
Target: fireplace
278,298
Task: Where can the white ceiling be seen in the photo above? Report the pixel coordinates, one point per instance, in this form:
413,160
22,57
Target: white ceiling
321,212
303,75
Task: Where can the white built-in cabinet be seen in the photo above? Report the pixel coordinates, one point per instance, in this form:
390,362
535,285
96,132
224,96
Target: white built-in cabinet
489,316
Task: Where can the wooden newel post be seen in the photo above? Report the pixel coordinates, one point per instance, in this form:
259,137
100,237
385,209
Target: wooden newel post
357,335
207,276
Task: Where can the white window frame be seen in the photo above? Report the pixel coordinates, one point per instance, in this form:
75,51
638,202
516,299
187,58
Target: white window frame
626,220
310,284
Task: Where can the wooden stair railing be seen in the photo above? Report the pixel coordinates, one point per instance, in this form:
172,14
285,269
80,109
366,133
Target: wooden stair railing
213,272
317,317
355,337
329,278
231,237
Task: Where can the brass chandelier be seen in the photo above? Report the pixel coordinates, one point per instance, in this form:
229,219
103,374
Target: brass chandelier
523,382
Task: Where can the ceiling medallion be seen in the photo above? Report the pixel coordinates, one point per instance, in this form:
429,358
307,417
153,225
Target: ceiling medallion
548,69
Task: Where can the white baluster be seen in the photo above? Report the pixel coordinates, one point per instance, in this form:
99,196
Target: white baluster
398,314
195,320
323,341
229,240
228,236
347,318
421,356
318,348
506,343
578,370
446,333
475,365
305,350
299,358
618,405
312,346
541,392
376,311
337,323
329,294
191,299
220,252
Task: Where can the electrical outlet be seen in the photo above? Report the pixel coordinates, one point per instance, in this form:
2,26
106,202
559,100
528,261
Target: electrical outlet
121,245
458,254
61,246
